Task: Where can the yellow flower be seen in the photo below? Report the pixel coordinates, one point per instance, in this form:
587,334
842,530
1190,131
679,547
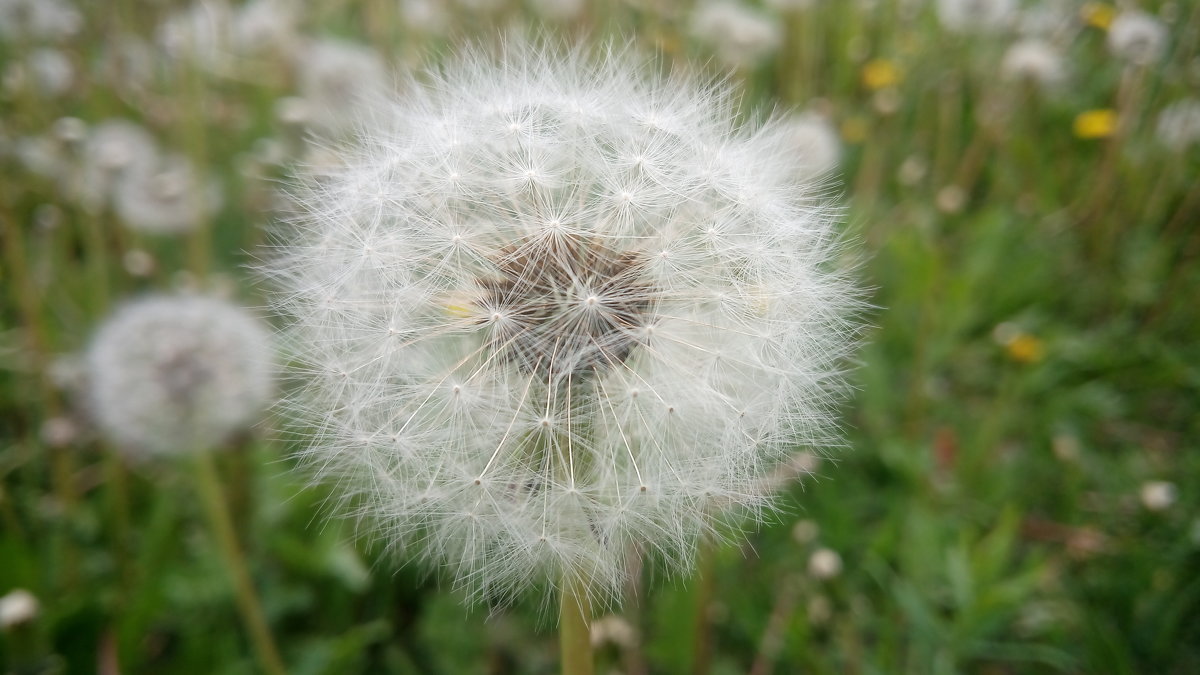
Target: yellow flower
1025,348
1098,14
1095,123
879,73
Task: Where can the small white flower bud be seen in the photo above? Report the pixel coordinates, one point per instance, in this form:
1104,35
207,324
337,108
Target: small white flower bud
824,564
1158,495
18,607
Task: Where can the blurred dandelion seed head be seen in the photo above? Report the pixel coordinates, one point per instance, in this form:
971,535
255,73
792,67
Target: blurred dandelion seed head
175,374
1178,125
17,607
550,308
740,36
165,197
976,16
1035,61
1137,37
38,20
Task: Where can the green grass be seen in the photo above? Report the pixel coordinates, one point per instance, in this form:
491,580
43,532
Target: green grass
1033,360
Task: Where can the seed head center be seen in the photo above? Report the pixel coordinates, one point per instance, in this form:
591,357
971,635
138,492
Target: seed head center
571,305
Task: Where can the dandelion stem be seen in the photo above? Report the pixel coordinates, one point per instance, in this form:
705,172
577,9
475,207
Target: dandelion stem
221,522
574,626
702,654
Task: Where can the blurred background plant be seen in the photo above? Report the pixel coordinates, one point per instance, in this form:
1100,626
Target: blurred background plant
1020,486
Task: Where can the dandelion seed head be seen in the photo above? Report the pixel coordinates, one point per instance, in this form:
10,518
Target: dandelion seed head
1137,37
741,36
50,71
171,374
264,26
1178,125
976,16
815,142
603,333
1035,61
111,149
337,80
38,19
198,34
165,197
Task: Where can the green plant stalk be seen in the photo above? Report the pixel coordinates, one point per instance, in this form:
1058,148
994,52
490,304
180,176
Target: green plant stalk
29,302
574,629
199,240
209,487
702,649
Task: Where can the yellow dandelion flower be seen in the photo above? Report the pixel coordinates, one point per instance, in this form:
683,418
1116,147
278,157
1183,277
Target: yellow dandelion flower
879,73
1095,123
1025,348
1098,14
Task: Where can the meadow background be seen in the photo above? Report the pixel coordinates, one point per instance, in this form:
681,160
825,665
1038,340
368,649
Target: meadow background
1019,490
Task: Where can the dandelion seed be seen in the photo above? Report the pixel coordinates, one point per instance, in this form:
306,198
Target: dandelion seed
177,374
520,375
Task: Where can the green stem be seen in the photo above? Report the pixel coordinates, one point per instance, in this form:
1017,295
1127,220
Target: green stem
575,633
209,487
702,655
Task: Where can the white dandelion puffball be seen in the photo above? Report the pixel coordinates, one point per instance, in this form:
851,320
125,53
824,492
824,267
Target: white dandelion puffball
740,36
165,197
1178,125
171,374
199,34
337,81
1137,37
816,143
1035,61
38,20
976,16
553,308
112,148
